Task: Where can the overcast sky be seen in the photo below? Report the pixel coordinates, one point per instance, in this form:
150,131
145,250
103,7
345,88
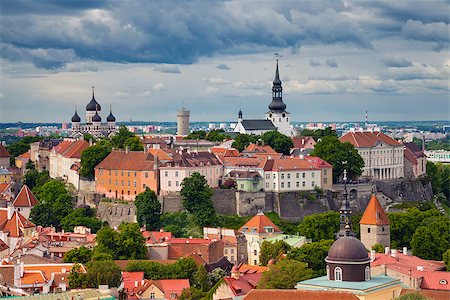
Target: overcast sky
337,59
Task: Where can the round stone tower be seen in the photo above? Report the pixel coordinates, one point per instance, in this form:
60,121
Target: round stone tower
183,121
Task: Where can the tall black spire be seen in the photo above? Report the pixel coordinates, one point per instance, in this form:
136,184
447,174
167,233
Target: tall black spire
277,104
93,105
345,214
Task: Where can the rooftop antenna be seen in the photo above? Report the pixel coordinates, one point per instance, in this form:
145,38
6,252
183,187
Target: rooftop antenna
367,122
277,55
92,91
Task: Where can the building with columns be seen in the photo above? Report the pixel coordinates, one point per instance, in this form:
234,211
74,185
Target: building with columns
383,156
277,118
93,124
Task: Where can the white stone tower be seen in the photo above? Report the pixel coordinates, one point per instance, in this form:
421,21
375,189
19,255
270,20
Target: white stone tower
183,121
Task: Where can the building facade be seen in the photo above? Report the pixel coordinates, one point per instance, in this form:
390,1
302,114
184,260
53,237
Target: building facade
93,124
383,156
415,161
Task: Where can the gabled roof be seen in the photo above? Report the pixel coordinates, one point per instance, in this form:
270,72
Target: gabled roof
318,162
225,152
187,158
25,198
167,286
14,225
253,148
251,269
374,213
258,125
132,160
162,154
71,149
3,246
261,294
4,152
368,139
26,155
289,164
244,284
259,223
251,162
414,149
302,141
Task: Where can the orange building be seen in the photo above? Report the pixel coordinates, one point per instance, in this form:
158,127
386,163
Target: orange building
125,174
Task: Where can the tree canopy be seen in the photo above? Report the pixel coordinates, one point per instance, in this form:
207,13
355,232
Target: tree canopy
439,176
148,209
272,251
285,274
313,254
92,156
278,141
196,198
134,143
33,178
340,155
319,133
320,226
182,268
120,137
98,273
55,203
241,141
84,216
80,255
432,238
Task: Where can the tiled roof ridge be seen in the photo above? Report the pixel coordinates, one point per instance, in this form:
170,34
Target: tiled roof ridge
374,213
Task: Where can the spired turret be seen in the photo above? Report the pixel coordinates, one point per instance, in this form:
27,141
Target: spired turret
277,105
76,118
110,118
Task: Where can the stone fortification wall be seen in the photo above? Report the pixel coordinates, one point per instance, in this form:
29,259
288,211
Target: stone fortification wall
116,213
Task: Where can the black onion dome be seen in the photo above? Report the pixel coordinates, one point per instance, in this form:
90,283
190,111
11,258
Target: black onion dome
277,105
93,105
348,248
111,118
76,118
96,118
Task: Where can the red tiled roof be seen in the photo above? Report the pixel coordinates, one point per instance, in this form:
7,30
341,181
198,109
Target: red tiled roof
406,264
301,141
132,280
409,155
368,139
374,213
436,280
189,241
3,246
250,269
25,155
411,146
254,162
13,225
260,221
132,160
157,236
318,162
25,198
244,284
61,147
167,286
253,148
162,155
289,164
71,149
257,294
4,152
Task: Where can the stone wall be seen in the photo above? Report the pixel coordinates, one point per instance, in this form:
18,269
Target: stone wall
249,203
224,201
294,207
171,203
406,190
116,213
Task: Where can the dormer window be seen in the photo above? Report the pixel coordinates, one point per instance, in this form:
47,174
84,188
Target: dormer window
269,229
245,229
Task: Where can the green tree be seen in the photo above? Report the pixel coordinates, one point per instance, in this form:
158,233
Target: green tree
278,141
196,135
22,146
196,198
130,242
104,272
33,178
106,241
313,254
241,141
135,144
81,217
446,259
378,248
412,296
92,156
432,238
148,209
30,165
285,274
319,133
80,255
272,251
340,155
120,137
55,203
320,226
217,135
201,278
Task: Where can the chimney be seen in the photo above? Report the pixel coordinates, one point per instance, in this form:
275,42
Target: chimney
10,212
235,273
22,269
161,230
419,268
405,250
394,253
127,149
372,255
386,250
136,283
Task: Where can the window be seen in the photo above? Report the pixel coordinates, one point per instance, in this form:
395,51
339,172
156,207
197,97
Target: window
152,295
282,175
146,174
173,295
177,183
225,251
382,228
288,176
267,176
135,183
303,184
325,180
128,173
232,258
337,274
254,262
117,183
303,175
267,185
128,183
297,175
367,273
368,230
232,251
312,175
123,183
115,172
122,172
324,172
176,173
297,184
242,186
313,184
274,176
274,186
288,184
109,181
169,183
255,252
166,173
282,184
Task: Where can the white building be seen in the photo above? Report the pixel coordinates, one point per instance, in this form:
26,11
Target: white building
436,156
277,118
383,156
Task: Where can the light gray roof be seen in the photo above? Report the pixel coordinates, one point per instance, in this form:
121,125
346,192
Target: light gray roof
258,125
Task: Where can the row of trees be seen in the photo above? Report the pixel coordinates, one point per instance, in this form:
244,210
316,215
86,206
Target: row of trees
215,135
278,141
439,176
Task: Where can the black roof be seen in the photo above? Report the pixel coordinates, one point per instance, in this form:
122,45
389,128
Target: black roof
76,117
258,125
222,263
111,118
96,118
93,105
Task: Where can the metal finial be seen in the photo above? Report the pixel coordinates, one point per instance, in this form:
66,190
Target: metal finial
345,175
92,90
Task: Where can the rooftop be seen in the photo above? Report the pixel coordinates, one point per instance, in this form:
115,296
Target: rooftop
260,223
257,294
291,240
368,139
374,213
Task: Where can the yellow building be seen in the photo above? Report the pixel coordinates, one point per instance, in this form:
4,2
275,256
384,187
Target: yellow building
5,175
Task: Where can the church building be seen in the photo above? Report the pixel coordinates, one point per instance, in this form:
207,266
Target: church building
277,118
93,124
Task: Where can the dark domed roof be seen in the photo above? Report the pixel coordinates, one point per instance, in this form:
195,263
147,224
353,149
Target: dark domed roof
93,105
76,118
96,118
110,118
277,105
348,248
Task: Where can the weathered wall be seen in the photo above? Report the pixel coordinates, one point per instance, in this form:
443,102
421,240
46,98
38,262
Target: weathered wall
224,201
116,213
406,190
249,203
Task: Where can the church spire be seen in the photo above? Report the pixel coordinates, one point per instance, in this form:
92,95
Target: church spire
277,104
345,213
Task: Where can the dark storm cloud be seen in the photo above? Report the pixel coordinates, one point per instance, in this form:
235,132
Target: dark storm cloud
171,32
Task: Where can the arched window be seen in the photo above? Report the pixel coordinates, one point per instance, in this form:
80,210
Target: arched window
367,273
328,272
337,274
284,115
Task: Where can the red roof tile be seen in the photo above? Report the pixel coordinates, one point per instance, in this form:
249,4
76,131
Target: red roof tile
3,246
368,139
259,222
253,148
244,284
255,162
301,142
167,286
25,198
26,155
318,162
4,152
374,213
14,225
289,164
132,160
132,280
257,294
436,280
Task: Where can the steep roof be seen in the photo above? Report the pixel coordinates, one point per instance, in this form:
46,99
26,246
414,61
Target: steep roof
414,149
368,139
167,286
132,160
3,246
262,294
436,280
406,263
219,151
259,222
4,152
26,155
374,213
289,164
14,224
25,198
71,149
258,125
318,162
252,162
253,148
302,141
244,284
162,154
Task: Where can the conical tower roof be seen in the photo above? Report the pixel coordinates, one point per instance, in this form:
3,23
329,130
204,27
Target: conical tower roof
374,213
